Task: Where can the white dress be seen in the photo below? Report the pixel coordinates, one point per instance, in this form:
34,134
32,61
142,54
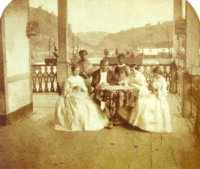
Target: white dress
139,81
76,111
151,112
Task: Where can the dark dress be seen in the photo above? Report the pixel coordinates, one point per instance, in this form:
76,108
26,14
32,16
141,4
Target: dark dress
86,70
122,72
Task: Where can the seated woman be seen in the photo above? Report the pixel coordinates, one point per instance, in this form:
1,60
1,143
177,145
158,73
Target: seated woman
138,80
151,112
122,71
75,111
86,69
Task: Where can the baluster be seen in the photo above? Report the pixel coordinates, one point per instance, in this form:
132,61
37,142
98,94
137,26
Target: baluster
46,79
55,83
43,84
54,69
49,84
43,80
37,81
34,80
40,80
55,79
52,79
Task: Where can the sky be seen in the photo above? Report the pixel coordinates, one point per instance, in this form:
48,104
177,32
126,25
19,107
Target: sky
111,15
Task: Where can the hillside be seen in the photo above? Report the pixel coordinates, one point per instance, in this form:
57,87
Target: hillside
132,38
95,42
92,37
39,45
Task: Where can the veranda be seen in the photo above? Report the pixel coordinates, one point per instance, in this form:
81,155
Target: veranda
28,139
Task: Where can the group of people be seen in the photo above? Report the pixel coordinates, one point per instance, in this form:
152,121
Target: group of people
77,110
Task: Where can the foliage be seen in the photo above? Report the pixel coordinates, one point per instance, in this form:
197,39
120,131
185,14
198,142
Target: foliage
48,24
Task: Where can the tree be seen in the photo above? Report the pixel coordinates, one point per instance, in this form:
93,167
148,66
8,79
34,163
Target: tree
106,52
116,51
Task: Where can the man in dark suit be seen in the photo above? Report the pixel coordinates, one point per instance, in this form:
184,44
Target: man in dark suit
103,77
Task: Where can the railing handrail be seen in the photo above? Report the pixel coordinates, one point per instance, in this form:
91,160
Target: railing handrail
34,65
167,64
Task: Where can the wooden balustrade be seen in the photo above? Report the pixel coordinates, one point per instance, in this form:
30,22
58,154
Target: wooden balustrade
45,77
188,94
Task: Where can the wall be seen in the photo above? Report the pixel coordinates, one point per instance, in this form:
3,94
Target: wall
192,37
16,57
2,91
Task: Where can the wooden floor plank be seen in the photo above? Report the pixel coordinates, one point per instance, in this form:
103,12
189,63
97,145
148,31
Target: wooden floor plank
184,145
141,150
169,158
157,152
120,147
177,138
116,151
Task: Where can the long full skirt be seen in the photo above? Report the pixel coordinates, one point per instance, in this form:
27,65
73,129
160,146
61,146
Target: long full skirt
77,112
151,113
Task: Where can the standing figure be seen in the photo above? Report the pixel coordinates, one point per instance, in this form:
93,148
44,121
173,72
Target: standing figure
121,71
75,110
86,69
151,112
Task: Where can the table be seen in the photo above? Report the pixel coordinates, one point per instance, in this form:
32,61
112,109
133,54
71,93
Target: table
116,96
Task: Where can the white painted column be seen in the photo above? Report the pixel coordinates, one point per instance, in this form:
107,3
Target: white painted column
62,65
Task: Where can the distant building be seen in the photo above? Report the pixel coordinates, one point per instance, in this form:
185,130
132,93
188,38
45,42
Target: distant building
148,48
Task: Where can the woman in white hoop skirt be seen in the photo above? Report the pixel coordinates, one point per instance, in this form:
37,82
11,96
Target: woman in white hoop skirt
151,112
75,110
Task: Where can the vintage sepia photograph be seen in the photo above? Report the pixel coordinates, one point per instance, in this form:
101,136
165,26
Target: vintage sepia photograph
99,84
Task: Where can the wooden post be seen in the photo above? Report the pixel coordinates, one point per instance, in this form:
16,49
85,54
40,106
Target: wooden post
62,65
173,86
187,90
177,14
